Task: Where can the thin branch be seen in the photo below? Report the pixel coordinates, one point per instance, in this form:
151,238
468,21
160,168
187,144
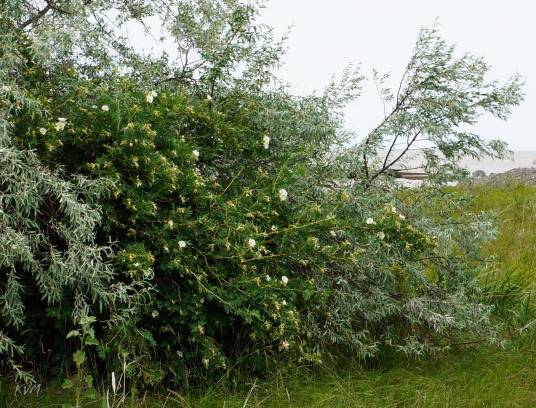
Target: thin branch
385,168
382,99
36,17
50,5
401,85
393,144
397,108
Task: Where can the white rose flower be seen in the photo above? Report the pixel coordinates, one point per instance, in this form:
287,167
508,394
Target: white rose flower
150,96
284,280
283,194
252,243
381,235
60,124
285,345
370,221
43,131
266,142
195,153
105,108
154,313
182,244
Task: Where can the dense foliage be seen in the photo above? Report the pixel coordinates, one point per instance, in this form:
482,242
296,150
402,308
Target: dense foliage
54,275
264,236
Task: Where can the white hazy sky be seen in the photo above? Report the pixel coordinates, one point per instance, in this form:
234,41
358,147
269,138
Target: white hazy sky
327,35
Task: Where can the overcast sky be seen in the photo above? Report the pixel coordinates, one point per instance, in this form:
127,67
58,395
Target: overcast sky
327,35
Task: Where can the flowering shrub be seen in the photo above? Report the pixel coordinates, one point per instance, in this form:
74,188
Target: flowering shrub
251,255
199,200
264,237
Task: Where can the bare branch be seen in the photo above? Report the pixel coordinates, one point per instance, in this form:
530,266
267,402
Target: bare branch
397,108
385,168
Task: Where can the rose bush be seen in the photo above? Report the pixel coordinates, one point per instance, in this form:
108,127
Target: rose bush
265,237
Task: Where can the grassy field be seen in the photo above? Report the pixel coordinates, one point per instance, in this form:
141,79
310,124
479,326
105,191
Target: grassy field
483,377
515,246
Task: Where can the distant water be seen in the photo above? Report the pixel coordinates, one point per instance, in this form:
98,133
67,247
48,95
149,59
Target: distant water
517,159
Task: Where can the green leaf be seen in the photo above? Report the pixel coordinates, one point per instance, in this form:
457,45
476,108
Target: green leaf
90,394
89,380
67,384
307,294
87,320
91,341
72,333
79,358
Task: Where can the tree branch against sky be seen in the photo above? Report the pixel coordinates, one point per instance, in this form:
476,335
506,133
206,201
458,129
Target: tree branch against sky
329,36
439,95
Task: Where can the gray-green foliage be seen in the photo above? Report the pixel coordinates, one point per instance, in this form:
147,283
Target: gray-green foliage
47,221
386,269
440,95
47,233
389,286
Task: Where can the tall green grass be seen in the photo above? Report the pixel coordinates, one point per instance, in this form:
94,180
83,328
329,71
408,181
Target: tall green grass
489,377
515,246
510,279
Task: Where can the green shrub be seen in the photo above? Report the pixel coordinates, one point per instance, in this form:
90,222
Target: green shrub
252,256
53,274
265,236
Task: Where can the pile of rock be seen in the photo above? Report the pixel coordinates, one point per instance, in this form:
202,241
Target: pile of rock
521,175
